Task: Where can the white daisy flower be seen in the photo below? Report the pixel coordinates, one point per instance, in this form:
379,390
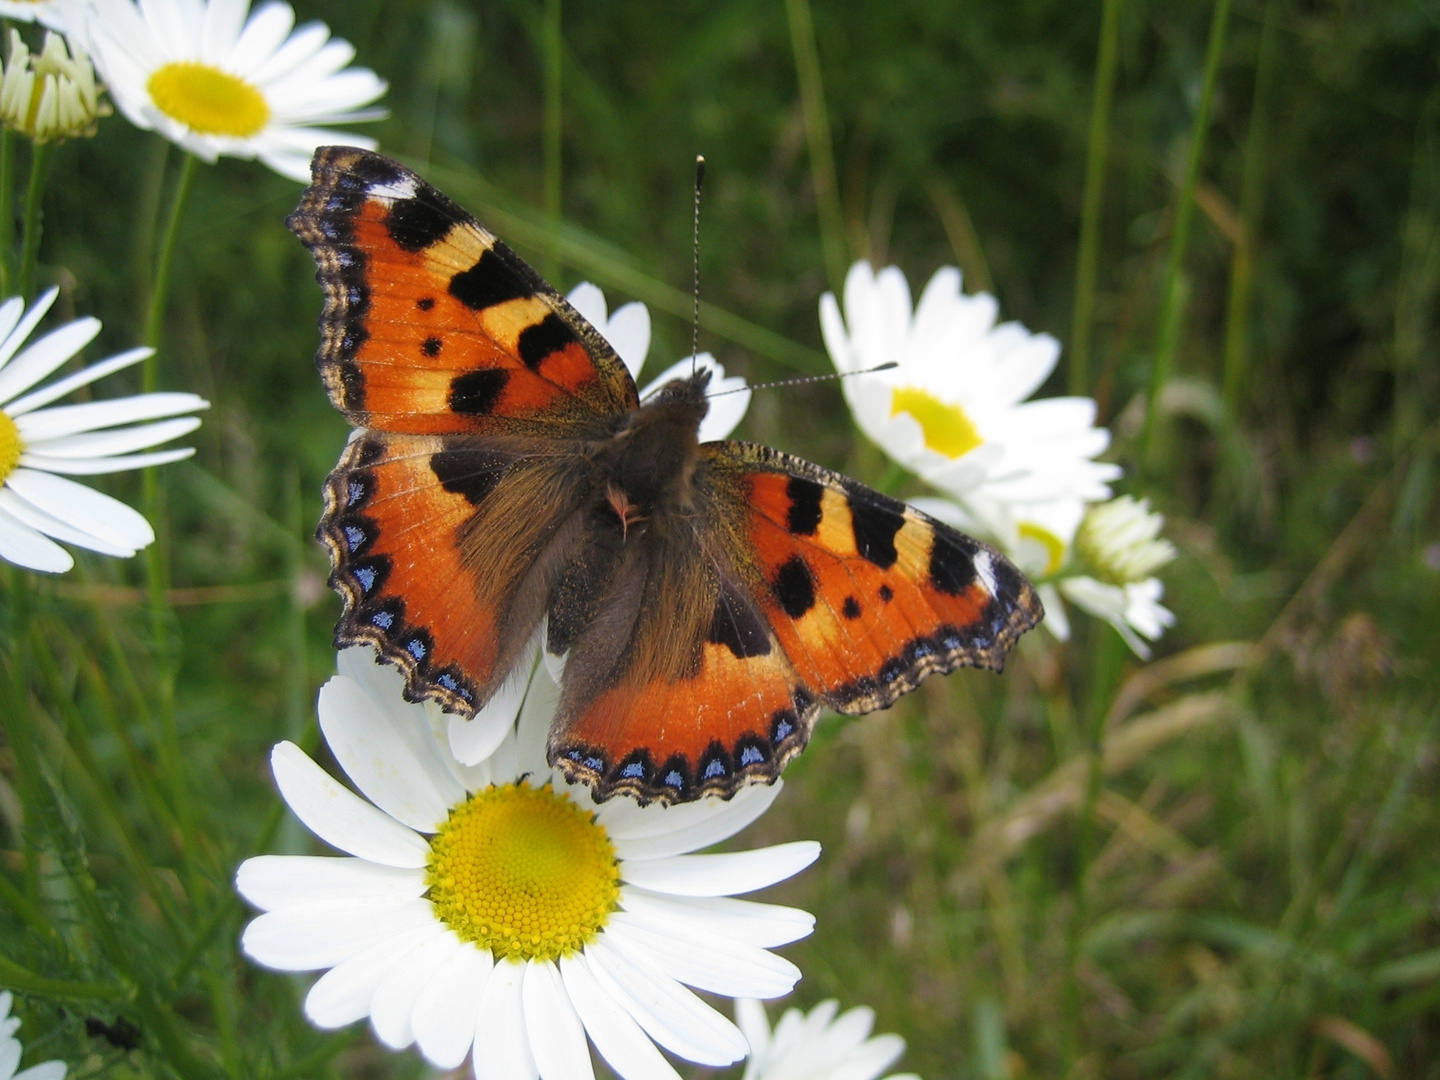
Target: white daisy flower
218,83
37,504
497,907
628,332
45,12
10,1049
954,410
817,1045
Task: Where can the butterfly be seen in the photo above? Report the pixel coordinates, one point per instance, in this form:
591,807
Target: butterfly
710,599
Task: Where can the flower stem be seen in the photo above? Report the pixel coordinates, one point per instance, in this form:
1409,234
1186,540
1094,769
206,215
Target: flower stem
7,210
1088,258
34,218
553,128
817,133
1172,308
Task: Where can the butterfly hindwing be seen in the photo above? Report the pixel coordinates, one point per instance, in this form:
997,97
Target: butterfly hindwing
819,592
433,326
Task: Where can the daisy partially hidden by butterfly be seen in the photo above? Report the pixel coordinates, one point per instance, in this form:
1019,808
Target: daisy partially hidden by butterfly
498,907
710,598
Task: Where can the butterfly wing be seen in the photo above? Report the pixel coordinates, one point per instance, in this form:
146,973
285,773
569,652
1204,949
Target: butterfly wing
431,325
807,590
476,383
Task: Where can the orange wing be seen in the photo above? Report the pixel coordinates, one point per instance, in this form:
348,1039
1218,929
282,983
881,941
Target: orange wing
824,593
433,326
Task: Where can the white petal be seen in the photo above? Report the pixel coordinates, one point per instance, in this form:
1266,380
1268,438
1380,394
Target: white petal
719,821
672,1015
475,739
754,1024
870,1060
115,441
343,994
628,332
45,355
21,330
393,1007
616,1035
82,508
1056,620
722,875
502,1046
557,1038
379,760
21,511
23,546
763,925
9,1057
264,32
589,300
446,1010
323,935
273,881
60,387
10,315
706,961
341,818
105,465
93,415
46,1070
224,19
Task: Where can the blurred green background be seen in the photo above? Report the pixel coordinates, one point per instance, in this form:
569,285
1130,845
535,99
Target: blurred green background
1248,886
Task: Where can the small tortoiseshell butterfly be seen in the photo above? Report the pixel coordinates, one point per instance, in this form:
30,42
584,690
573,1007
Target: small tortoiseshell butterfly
711,598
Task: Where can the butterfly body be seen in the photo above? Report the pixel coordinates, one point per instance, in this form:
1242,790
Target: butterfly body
710,598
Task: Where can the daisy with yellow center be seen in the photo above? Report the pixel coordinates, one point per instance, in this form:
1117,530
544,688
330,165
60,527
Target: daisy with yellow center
492,907
955,410
206,76
41,447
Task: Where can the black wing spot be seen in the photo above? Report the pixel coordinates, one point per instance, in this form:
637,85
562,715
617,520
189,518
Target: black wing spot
952,570
417,223
738,626
430,346
803,517
851,608
886,593
489,282
471,473
476,393
794,587
875,523
425,303
537,342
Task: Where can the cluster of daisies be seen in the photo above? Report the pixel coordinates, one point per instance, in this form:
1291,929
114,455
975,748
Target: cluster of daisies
483,906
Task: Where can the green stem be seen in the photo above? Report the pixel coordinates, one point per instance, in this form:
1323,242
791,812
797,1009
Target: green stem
34,218
15,977
7,211
1088,258
1242,261
160,286
1173,297
817,134
554,115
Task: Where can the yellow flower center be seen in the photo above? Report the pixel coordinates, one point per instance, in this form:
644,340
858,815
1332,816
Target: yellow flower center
523,872
10,446
208,100
1053,545
947,429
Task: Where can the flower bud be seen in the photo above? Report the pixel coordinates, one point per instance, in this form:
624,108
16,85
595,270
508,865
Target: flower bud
1118,541
52,96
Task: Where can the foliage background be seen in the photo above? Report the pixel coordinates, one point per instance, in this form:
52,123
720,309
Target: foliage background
1247,887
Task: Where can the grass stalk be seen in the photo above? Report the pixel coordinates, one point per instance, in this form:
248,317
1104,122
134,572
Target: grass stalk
34,223
1088,258
554,116
1242,259
817,135
1173,295
7,211
16,977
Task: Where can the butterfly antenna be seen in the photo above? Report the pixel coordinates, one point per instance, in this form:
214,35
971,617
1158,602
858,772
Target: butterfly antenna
695,320
801,380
